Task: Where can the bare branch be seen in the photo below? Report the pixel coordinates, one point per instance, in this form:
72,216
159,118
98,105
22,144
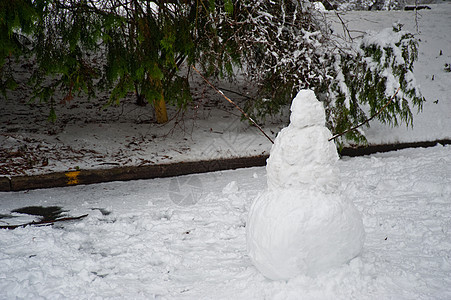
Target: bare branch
234,104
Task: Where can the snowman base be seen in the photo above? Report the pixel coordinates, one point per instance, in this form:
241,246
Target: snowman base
302,232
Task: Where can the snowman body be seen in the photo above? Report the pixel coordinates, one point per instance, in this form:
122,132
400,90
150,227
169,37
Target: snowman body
302,224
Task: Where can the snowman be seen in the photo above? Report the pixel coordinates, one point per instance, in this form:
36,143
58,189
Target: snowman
302,224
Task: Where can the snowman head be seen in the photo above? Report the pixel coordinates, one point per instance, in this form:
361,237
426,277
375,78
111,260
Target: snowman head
306,110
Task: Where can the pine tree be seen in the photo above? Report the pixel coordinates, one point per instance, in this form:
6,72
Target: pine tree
16,25
117,46
136,46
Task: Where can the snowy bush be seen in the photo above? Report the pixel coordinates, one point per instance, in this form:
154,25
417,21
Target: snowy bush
288,46
369,76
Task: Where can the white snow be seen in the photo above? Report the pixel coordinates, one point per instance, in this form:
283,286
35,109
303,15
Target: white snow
302,155
149,247
302,225
319,6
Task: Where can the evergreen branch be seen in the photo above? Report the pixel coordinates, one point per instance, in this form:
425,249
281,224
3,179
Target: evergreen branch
367,120
234,104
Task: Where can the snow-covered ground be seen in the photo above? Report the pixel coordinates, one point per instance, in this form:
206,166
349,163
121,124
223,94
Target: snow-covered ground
141,241
89,136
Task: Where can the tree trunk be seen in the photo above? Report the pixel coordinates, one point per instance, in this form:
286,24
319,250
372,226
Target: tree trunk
160,110
141,100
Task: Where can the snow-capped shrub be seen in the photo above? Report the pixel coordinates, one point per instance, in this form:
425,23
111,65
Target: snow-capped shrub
369,76
287,47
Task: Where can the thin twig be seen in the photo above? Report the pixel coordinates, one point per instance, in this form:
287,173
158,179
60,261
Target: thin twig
234,104
345,27
235,92
367,120
43,222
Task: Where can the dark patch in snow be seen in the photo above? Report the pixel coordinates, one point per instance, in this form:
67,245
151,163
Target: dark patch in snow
2,216
46,213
